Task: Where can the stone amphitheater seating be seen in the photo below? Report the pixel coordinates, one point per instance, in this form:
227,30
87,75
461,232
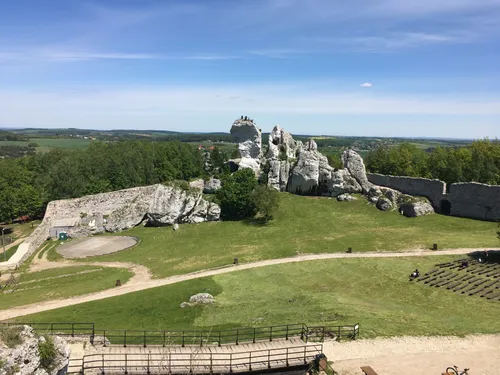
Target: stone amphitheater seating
477,279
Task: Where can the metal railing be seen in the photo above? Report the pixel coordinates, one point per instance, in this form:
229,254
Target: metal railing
197,363
197,337
60,329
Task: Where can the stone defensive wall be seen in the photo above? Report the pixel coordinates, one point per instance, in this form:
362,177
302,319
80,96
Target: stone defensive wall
434,190
474,200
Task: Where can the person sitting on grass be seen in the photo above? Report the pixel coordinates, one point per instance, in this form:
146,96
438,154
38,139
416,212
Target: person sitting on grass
415,274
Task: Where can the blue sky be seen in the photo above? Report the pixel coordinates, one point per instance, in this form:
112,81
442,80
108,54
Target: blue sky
358,67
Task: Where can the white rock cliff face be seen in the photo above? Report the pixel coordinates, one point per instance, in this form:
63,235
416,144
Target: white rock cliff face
249,137
281,154
24,359
353,162
116,211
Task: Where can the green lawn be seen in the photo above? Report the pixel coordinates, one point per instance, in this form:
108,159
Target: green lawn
375,293
302,225
8,253
62,282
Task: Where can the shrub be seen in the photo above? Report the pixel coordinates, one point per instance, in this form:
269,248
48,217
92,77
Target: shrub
10,336
266,202
47,352
236,195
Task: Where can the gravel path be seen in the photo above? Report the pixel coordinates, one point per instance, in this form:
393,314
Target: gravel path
142,278
417,355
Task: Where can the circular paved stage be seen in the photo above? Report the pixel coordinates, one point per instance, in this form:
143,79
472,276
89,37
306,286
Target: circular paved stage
92,246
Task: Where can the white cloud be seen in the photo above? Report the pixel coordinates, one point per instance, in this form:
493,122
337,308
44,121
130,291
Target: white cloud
366,84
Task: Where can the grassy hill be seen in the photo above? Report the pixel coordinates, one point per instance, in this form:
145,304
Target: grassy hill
303,225
373,292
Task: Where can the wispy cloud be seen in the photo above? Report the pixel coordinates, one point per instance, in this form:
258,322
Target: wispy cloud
395,40
366,85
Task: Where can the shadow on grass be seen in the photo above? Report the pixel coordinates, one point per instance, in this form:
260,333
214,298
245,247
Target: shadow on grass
257,221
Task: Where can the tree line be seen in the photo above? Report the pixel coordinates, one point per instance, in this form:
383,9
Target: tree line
478,161
27,184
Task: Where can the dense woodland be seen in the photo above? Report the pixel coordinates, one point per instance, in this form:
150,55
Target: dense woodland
28,183
478,161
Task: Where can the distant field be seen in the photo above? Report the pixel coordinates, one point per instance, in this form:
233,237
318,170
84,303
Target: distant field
302,225
46,144
375,293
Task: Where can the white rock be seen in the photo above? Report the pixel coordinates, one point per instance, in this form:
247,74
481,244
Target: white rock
353,162
249,137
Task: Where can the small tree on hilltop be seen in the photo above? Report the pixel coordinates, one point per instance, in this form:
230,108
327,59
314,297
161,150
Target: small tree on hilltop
266,201
236,195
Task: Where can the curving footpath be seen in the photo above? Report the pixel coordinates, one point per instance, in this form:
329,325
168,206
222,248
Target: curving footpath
143,282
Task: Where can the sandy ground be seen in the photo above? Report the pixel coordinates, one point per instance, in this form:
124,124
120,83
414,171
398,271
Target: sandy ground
142,278
92,246
417,355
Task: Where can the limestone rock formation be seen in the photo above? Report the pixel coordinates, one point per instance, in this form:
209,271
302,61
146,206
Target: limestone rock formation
198,184
342,183
345,198
281,154
304,177
202,298
384,204
24,359
416,208
249,137
211,186
353,162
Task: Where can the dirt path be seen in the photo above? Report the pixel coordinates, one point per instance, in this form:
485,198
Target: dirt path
142,278
417,355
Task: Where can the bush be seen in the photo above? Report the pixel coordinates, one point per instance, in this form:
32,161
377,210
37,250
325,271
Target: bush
236,195
266,201
47,352
10,336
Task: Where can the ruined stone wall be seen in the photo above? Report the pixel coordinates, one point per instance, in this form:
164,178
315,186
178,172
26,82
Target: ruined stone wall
432,189
474,200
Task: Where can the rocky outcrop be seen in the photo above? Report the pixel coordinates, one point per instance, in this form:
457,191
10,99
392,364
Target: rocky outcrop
342,183
384,204
198,299
249,137
24,359
116,211
345,198
211,186
416,208
281,155
353,162
474,200
431,189
304,177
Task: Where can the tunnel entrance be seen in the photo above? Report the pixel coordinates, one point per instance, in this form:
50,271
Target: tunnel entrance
445,207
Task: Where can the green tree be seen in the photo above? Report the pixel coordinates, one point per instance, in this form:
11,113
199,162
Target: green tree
236,195
266,201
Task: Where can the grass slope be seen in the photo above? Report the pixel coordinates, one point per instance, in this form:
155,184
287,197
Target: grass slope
374,292
60,283
302,225
8,253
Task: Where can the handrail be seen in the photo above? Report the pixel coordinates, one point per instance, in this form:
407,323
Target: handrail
208,362
197,337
